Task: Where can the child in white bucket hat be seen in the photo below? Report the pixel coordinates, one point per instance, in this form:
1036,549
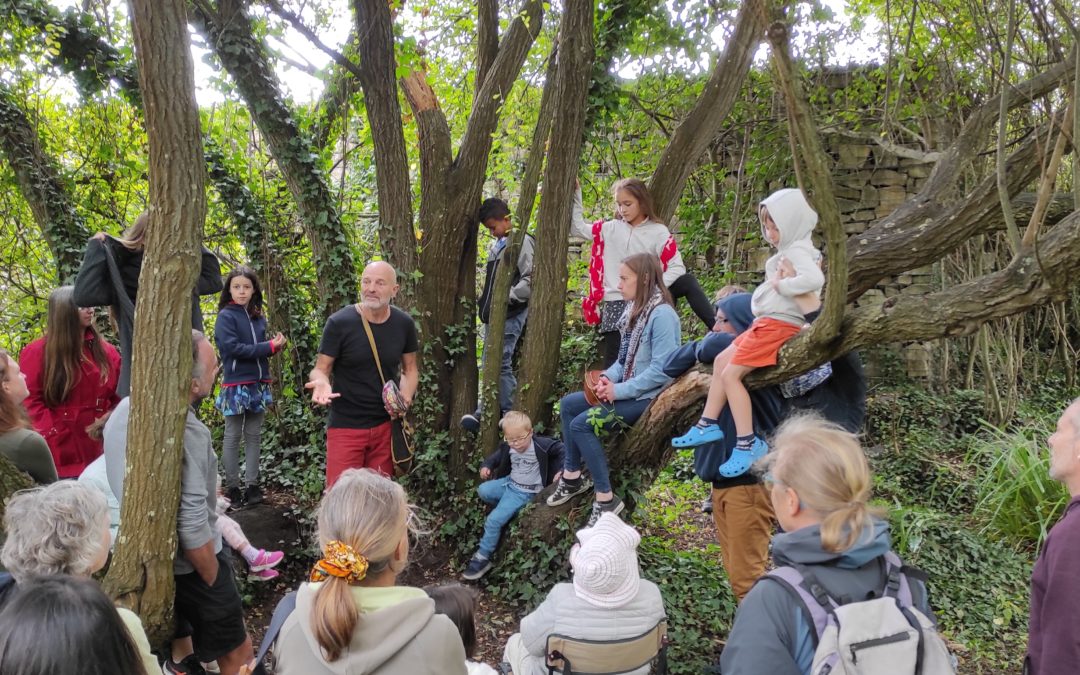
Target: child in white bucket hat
608,599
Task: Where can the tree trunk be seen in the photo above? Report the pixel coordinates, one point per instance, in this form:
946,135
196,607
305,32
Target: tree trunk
379,83
42,187
230,33
548,303
705,120
493,346
141,576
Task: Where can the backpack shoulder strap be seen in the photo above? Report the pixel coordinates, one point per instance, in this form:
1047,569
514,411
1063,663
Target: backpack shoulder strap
897,586
817,610
284,608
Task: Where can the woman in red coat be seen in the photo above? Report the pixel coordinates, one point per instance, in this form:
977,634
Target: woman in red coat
71,374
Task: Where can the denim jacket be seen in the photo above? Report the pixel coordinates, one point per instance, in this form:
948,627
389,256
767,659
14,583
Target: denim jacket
661,337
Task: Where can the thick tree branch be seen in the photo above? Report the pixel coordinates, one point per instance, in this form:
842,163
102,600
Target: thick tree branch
700,127
930,224
436,155
231,35
476,141
42,187
819,184
487,39
379,83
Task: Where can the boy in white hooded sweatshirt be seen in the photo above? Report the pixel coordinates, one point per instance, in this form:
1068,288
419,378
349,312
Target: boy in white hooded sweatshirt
792,288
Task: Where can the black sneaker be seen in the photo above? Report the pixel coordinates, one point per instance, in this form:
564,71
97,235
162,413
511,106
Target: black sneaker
567,489
706,506
477,568
470,422
235,497
253,494
188,666
600,508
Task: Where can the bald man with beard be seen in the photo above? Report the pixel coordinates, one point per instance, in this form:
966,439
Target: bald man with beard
346,375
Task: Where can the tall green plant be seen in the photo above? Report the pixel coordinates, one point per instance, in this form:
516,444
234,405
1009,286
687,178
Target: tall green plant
1016,498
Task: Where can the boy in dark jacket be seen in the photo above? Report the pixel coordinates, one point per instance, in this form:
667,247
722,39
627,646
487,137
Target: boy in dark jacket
522,466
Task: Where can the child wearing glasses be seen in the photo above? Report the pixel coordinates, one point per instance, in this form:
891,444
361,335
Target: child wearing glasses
523,465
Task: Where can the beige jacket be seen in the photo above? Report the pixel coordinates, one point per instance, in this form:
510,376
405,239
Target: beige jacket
398,633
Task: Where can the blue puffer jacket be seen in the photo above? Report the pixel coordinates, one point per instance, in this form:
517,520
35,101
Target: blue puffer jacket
241,341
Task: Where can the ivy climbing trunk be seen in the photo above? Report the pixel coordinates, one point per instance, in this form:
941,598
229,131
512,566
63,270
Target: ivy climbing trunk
42,187
141,575
231,35
548,305
11,481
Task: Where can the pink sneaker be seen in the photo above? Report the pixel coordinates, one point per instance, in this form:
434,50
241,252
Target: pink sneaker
264,560
263,575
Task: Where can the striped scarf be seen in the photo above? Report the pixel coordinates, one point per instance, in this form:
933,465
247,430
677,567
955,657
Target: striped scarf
631,335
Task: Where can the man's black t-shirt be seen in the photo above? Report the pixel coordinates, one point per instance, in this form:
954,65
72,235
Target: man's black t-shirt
355,377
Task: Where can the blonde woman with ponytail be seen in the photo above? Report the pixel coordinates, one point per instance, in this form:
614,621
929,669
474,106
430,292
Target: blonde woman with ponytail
351,617
819,483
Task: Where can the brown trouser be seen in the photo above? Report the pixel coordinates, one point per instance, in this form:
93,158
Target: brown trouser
744,523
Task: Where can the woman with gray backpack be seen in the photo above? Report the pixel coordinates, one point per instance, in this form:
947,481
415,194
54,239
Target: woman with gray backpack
839,600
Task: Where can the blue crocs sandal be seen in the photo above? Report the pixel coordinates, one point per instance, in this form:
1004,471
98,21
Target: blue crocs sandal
741,460
698,436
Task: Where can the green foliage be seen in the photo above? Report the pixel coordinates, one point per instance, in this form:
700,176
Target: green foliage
1016,497
978,589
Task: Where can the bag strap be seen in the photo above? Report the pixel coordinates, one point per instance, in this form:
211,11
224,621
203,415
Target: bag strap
284,608
371,341
796,583
122,298
898,581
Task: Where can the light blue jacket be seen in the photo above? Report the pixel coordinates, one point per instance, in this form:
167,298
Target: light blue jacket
661,337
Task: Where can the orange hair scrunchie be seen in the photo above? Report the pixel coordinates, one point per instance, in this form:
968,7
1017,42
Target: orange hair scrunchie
341,561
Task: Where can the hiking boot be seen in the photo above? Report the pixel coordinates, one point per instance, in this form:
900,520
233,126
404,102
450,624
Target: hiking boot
235,497
471,422
567,489
253,494
189,665
477,568
264,560
600,508
263,575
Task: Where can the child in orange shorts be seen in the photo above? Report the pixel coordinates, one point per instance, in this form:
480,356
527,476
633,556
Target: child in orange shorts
787,222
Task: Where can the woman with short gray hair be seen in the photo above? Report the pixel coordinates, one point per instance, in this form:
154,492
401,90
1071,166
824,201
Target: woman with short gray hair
63,528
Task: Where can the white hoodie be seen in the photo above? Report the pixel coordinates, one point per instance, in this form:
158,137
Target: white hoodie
795,220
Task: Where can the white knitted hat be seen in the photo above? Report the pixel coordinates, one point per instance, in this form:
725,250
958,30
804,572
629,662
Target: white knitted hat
606,564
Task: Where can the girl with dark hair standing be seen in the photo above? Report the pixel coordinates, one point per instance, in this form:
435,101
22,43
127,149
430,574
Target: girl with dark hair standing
240,333
635,230
71,373
21,445
65,624
650,332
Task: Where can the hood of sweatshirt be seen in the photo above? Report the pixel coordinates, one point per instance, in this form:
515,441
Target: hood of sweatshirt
803,546
792,215
736,309
390,618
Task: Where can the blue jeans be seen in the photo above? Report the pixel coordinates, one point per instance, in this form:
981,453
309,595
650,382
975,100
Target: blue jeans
507,499
515,326
580,438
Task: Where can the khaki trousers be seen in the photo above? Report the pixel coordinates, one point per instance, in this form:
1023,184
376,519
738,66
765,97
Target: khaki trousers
744,524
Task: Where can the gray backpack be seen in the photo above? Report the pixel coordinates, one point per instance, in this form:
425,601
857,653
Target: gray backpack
882,635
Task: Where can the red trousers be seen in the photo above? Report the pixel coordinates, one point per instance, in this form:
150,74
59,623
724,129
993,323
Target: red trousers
357,448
